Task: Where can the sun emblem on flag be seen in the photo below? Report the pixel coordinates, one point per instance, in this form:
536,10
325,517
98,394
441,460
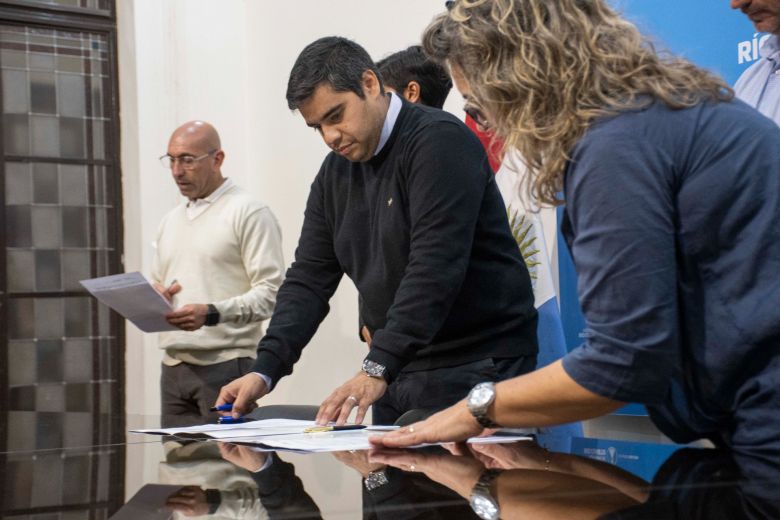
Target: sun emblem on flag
525,236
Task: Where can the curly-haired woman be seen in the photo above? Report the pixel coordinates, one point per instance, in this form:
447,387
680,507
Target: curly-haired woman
672,215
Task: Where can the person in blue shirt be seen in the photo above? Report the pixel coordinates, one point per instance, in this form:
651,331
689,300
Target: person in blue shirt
672,215
759,85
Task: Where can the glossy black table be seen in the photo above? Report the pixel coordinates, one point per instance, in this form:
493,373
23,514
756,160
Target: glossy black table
77,466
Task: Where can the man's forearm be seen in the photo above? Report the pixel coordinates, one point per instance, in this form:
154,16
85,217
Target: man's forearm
298,314
256,304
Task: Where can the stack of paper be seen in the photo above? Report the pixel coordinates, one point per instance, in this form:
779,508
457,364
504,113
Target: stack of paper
288,434
250,429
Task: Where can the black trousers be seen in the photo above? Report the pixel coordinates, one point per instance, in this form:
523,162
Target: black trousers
434,390
188,391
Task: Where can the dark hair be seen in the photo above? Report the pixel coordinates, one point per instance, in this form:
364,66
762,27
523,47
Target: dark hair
412,64
334,60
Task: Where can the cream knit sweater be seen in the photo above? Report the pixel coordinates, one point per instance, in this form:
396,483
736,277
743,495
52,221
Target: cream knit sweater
229,255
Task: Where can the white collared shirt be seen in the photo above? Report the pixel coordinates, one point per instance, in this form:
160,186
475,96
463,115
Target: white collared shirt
198,206
390,119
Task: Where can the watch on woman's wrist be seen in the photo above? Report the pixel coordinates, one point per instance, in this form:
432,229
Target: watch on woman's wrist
478,402
481,501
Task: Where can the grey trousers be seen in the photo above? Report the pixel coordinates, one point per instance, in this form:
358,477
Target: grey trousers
188,391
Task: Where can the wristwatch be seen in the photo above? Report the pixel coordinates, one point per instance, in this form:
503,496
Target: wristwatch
374,369
213,499
481,501
375,479
212,316
479,400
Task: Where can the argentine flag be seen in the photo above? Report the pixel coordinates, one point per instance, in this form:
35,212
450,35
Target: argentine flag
528,231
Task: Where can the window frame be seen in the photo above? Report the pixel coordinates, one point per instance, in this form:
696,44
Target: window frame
55,17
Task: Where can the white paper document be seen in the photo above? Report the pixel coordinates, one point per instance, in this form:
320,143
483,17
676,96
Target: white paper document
149,504
132,296
236,431
288,434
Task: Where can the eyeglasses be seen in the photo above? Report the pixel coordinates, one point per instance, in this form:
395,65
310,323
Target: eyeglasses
185,161
477,115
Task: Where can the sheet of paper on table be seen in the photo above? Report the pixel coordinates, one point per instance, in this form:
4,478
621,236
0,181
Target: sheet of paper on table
288,434
261,428
132,296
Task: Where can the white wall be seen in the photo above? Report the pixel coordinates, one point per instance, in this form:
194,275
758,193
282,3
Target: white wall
227,61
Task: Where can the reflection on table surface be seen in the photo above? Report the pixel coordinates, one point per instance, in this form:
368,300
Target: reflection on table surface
77,466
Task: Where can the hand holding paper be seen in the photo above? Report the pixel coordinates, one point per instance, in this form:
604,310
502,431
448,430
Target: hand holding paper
132,296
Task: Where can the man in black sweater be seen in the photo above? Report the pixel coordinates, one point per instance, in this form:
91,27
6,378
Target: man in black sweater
406,206
417,79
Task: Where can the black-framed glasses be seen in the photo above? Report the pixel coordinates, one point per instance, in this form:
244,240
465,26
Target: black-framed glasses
185,161
477,115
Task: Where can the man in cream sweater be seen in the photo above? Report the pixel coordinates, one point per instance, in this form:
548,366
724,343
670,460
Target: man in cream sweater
219,261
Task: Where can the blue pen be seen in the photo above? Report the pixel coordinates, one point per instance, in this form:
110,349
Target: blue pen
222,408
231,420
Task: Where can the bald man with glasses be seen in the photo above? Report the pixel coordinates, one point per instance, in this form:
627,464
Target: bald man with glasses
219,261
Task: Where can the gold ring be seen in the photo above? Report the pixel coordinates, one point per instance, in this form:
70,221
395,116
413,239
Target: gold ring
412,468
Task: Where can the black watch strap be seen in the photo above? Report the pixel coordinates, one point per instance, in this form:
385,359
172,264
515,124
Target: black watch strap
212,316
213,499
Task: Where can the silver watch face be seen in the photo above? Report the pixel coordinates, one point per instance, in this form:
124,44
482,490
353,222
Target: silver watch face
485,507
373,368
481,396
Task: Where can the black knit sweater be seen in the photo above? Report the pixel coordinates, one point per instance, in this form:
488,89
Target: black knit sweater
422,232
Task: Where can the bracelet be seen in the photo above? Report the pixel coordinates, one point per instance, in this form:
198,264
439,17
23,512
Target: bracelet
213,499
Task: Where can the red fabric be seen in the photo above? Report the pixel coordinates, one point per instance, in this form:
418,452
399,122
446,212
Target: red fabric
492,145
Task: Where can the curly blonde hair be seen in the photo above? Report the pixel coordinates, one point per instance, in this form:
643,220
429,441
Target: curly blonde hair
545,69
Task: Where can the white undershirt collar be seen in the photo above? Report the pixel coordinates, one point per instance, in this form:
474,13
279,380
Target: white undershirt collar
390,119
198,206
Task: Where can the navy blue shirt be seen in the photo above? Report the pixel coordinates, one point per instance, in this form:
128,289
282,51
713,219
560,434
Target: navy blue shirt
422,231
673,221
